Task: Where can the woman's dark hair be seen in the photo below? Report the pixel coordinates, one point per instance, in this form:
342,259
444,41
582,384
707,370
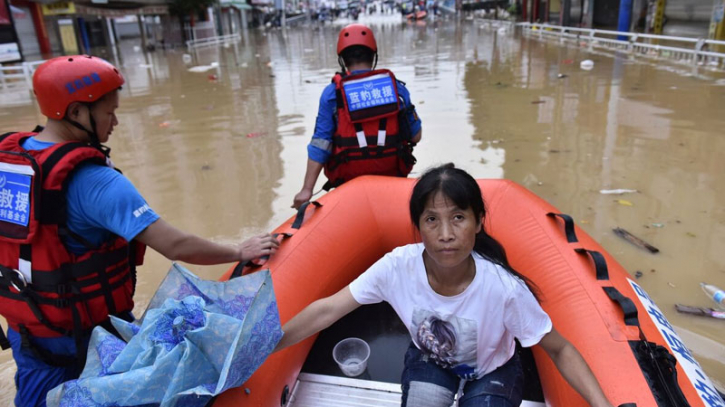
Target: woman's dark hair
358,54
460,187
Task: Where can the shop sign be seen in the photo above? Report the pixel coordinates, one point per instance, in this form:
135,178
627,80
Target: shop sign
60,8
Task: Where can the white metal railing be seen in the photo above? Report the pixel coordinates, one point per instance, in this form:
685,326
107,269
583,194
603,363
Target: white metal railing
695,51
18,74
221,39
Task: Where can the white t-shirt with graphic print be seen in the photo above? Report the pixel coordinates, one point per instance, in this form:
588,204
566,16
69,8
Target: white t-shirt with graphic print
471,333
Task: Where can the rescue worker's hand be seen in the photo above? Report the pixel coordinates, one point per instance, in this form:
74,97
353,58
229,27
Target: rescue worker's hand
257,246
301,197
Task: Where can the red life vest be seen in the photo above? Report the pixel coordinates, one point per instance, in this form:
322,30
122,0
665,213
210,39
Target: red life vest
372,135
45,290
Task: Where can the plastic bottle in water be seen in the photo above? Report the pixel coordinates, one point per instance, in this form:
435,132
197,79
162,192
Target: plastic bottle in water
715,293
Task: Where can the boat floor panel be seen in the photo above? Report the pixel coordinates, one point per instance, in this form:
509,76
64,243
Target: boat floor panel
314,390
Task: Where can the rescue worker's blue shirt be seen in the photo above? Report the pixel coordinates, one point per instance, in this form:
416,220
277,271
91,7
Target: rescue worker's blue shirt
320,148
101,203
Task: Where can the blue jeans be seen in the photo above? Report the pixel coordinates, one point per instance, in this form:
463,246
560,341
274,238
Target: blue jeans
33,378
425,384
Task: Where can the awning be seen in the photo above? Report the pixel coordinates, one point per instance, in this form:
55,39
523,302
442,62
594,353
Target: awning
238,4
122,12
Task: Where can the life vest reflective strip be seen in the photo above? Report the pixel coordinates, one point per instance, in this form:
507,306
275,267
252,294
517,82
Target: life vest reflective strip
45,290
369,141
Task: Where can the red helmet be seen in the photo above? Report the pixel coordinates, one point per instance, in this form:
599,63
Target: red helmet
78,78
356,34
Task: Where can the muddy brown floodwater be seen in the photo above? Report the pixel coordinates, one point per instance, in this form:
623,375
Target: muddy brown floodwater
221,153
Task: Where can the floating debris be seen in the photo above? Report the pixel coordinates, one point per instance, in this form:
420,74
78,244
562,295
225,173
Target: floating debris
637,274
213,78
186,58
586,64
705,312
658,225
635,240
672,285
617,191
256,134
690,234
164,125
205,167
567,61
537,102
562,76
203,68
624,202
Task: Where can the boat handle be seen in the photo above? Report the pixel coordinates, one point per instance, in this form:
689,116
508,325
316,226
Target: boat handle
301,213
600,263
568,226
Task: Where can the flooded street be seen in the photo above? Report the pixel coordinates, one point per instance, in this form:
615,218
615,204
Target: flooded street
221,153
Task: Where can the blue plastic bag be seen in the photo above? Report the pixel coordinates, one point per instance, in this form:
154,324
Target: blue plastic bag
197,339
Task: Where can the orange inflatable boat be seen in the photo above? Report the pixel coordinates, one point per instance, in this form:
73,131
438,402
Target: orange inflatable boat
624,337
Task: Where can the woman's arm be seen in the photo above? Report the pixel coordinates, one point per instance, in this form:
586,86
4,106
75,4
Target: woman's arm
574,368
317,316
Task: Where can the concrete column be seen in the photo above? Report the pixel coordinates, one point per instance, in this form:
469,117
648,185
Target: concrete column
565,13
588,20
142,28
107,33
40,30
717,22
112,30
625,17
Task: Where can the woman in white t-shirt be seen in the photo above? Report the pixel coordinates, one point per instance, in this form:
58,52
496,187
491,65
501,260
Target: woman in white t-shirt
462,302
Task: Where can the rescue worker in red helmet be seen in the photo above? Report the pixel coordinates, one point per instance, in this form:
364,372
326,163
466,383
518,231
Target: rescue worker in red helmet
72,228
366,123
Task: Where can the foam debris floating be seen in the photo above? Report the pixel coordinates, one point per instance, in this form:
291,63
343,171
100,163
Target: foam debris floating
586,65
617,191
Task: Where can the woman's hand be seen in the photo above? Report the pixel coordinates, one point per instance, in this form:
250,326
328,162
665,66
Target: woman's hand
316,317
574,368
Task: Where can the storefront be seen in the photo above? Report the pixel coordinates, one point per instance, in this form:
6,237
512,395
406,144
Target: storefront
9,44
